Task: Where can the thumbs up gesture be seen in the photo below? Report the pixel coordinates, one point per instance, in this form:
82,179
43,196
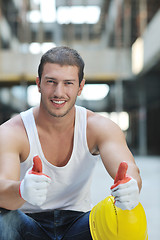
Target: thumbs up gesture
125,189
34,187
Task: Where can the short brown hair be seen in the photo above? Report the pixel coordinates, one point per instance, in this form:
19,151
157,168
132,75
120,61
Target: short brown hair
64,56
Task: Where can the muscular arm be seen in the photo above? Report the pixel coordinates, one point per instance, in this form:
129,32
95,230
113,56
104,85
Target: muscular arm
9,167
112,146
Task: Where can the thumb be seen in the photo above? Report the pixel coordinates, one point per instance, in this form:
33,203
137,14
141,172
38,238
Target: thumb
121,176
121,173
37,166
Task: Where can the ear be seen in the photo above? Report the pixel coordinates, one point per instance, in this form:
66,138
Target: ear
38,84
81,87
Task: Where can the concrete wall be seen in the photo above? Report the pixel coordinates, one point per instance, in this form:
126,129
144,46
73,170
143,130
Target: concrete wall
99,64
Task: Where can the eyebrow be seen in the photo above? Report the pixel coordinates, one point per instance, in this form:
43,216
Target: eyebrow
55,79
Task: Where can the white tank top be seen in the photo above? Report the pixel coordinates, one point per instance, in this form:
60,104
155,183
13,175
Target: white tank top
70,187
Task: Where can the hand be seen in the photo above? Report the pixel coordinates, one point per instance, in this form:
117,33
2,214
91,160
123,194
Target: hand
34,187
125,189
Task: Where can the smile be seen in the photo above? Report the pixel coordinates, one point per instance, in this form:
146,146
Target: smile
58,102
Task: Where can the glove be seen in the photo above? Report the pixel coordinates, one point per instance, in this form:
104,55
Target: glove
34,187
125,189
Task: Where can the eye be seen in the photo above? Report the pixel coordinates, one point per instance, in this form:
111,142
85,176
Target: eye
68,83
51,81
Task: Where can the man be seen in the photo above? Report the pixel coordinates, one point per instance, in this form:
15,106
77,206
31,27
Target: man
52,200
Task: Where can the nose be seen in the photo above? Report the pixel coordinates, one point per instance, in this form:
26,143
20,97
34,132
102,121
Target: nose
59,90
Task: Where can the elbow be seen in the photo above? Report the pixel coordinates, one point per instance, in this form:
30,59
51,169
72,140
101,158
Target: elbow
140,184
139,180
10,206
13,208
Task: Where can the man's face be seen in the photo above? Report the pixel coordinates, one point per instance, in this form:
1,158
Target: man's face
59,88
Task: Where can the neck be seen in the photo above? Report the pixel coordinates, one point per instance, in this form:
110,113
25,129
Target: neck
48,122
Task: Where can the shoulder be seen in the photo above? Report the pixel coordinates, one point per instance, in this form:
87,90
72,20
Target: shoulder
96,121
102,128
11,124
12,131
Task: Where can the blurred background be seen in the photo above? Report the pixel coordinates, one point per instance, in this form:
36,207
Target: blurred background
119,41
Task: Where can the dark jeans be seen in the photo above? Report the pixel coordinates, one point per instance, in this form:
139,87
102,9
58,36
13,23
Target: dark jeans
54,225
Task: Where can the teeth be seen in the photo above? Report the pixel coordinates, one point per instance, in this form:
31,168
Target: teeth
58,102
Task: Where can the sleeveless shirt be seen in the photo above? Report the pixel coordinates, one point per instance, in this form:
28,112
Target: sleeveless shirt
70,186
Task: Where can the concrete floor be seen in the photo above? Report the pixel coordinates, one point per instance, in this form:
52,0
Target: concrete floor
150,193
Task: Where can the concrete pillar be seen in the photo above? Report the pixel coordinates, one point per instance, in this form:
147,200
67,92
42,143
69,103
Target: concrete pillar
118,97
142,122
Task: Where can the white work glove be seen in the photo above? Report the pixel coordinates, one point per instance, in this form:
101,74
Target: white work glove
125,189
34,187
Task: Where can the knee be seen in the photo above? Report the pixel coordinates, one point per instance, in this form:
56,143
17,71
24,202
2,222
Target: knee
10,222
8,216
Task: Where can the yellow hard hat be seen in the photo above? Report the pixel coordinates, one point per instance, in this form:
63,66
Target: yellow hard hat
108,222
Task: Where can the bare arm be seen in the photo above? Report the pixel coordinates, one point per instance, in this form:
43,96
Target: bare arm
9,167
112,146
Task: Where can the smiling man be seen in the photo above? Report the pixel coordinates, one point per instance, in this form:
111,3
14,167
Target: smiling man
47,157
60,85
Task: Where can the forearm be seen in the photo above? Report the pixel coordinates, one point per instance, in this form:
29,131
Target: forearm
139,181
134,172
116,155
9,194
